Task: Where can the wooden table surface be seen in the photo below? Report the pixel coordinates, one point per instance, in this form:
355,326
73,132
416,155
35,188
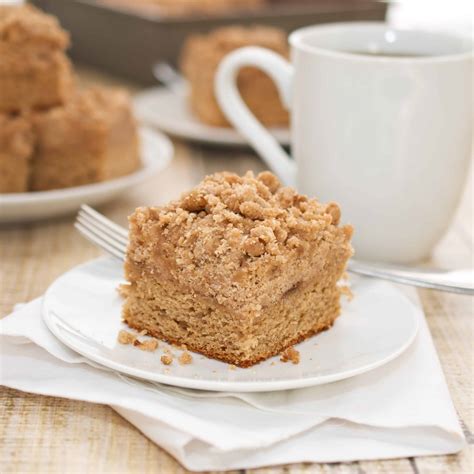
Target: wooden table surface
44,434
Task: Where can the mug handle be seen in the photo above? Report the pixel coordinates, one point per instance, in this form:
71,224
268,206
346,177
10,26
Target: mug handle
239,115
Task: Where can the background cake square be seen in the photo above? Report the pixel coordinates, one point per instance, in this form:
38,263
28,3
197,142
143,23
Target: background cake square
16,148
188,7
201,57
238,269
34,71
92,138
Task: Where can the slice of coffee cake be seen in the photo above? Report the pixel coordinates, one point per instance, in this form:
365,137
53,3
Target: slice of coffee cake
239,269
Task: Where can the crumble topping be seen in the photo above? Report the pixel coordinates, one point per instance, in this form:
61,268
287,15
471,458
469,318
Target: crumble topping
215,45
233,232
25,23
253,214
290,355
232,37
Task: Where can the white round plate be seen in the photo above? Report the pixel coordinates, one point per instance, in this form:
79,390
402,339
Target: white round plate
156,152
168,111
82,308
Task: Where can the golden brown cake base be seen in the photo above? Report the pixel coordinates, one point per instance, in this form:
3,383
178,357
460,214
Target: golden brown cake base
205,327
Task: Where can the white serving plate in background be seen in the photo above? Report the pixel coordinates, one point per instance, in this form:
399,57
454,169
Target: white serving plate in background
168,111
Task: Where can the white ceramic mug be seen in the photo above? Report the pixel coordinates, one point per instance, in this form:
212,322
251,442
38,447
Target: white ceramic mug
387,137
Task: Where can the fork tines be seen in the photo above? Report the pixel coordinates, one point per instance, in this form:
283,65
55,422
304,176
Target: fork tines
102,232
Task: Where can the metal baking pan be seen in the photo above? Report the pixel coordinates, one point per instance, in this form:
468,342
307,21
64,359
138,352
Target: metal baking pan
128,42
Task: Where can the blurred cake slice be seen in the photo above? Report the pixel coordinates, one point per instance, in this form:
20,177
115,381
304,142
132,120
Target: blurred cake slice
239,268
92,138
34,71
16,147
187,8
201,57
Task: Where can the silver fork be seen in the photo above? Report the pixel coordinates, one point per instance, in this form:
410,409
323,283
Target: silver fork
113,239
169,76
102,232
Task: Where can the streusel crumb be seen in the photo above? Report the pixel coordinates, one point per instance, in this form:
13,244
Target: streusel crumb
347,292
166,359
149,345
125,337
290,355
185,358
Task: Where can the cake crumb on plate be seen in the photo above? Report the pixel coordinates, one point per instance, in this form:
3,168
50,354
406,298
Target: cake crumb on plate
185,358
123,289
149,345
347,292
290,355
166,359
125,337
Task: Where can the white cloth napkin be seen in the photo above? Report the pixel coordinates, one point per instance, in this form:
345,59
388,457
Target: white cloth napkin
401,409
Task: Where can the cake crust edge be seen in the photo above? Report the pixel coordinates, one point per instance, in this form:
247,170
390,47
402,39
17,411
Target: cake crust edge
243,364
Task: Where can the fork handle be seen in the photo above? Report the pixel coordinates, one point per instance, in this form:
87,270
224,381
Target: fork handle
424,279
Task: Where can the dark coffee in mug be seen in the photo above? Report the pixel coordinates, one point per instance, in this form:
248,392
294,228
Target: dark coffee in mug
388,54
